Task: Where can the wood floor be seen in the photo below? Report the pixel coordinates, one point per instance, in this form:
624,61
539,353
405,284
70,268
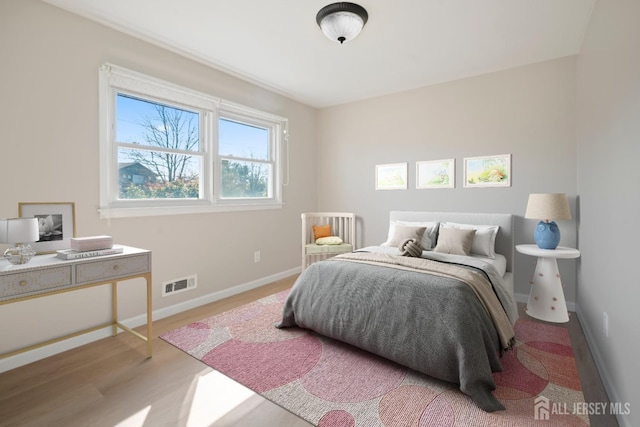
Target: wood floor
111,383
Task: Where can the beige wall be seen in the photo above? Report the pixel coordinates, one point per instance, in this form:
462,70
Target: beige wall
608,176
49,152
528,112
48,117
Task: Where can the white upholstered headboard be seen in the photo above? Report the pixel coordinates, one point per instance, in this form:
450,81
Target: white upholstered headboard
504,239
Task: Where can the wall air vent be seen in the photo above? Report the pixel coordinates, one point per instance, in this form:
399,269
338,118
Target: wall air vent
179,285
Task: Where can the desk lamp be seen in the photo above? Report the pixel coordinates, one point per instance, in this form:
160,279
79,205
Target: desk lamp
547,208
19,232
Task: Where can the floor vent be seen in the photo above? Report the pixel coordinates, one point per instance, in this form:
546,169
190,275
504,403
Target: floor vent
179,285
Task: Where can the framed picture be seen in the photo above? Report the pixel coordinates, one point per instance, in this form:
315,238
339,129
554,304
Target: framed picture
487,171
57,223
436,174
391,176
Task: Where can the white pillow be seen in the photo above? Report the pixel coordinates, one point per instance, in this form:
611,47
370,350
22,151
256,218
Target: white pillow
329,240
428,238
484,242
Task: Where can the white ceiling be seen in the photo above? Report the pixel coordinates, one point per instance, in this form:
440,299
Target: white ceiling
406,43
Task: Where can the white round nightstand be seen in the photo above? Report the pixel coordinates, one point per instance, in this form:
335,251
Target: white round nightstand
546,299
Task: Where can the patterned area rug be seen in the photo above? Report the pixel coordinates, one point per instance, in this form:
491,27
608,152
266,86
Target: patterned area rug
331,384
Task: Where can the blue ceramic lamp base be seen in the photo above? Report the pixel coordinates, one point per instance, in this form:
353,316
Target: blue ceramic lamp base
547,235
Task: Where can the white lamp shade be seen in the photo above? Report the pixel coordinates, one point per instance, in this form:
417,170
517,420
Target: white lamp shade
19,230
548,206
345,25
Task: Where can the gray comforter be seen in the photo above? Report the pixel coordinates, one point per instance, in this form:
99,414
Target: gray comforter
431,323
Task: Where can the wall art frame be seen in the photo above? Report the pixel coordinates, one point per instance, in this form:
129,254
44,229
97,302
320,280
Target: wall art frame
57,223
487,171
391,176
436,174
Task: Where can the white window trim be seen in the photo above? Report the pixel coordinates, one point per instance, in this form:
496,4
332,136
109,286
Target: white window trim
113,78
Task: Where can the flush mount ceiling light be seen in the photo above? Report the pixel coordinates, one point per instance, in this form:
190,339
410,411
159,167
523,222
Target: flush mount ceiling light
342,22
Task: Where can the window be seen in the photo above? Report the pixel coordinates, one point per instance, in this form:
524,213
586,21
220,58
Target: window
244,151
165,149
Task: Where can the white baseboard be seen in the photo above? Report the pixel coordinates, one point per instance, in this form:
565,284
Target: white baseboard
49,350
216,296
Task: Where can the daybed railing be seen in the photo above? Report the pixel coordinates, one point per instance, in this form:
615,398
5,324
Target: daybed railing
342,225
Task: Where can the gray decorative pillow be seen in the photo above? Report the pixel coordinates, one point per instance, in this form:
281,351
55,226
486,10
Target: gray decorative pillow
402,233
455,241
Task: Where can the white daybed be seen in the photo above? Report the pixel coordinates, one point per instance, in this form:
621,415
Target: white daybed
342,225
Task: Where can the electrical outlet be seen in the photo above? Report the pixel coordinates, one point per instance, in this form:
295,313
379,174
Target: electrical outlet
256,256
605,318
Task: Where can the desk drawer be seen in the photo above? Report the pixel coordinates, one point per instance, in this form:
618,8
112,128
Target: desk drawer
33,282
104,270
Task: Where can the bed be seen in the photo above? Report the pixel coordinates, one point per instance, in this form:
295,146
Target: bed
446,309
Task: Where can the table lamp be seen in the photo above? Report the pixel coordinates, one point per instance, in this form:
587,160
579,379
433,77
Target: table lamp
19,232
547,207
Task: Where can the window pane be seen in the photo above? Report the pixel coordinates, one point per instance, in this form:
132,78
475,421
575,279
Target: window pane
245,179
156,125
242,140
155,175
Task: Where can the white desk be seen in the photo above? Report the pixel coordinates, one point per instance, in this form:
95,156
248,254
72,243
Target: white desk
47,275
546,299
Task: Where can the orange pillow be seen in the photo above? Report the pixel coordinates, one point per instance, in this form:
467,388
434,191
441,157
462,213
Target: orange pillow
321,231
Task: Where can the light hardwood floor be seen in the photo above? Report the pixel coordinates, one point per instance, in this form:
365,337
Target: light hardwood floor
111,383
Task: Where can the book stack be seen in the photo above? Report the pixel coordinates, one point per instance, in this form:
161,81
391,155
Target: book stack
87,247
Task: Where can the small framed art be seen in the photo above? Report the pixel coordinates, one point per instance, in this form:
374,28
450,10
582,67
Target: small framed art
487,171
435,174
391,176
56,223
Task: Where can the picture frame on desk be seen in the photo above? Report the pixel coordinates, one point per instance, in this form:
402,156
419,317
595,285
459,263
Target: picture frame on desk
56,222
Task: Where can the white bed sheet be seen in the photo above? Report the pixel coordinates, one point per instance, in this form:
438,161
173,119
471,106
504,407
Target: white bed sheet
500,262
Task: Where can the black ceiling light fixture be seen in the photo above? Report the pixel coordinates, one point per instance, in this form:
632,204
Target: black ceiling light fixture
342,22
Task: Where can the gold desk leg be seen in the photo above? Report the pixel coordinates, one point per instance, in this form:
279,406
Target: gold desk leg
114,308
149,314
114,314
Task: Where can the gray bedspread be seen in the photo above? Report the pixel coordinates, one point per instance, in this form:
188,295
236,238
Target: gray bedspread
430,323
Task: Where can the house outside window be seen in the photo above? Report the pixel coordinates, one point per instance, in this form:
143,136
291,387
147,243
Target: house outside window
134,173
165,149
